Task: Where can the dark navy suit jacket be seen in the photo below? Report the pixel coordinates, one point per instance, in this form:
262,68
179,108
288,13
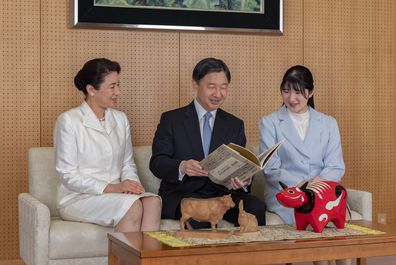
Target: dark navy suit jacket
178,138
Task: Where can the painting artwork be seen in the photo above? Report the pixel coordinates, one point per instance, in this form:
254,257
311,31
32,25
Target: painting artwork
254,16
251,6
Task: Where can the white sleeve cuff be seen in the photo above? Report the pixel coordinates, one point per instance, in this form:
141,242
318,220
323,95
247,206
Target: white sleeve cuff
181,175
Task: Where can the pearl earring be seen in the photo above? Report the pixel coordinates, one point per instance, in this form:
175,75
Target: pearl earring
92,94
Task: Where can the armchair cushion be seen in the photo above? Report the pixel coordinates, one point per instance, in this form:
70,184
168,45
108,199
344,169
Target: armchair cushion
70,239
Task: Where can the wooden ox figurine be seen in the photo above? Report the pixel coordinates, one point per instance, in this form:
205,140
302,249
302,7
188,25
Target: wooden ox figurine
205,210
316,203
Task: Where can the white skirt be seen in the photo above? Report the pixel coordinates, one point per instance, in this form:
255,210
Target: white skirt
106,209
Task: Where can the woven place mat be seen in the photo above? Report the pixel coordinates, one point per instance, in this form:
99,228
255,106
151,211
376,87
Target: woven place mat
265,233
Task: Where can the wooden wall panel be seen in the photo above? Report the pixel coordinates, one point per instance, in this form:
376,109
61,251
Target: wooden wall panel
256,62
20,109
350,46
149,75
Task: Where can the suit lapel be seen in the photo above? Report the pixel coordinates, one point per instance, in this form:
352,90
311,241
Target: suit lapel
110,123
89,118
314,131
290,133
91,121
191,125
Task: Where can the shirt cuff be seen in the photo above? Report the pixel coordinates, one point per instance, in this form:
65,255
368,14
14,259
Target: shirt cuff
181,175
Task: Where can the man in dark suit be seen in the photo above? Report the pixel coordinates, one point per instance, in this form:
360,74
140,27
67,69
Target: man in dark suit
179,143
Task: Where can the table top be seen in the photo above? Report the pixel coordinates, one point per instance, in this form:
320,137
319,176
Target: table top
144,246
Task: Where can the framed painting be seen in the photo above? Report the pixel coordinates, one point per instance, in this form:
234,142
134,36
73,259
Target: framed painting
256,16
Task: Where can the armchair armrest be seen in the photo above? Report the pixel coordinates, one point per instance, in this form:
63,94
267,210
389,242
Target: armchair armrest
361,202
34,224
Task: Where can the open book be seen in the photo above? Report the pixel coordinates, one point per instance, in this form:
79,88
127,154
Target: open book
233,160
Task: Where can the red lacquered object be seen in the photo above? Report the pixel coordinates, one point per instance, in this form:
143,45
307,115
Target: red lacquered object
316,204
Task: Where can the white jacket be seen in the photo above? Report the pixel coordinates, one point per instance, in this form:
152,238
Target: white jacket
88,155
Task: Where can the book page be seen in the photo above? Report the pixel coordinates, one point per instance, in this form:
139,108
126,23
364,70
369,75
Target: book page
245,153
225,169
267,154
225,163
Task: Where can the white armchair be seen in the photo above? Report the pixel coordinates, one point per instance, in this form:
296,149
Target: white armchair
46,239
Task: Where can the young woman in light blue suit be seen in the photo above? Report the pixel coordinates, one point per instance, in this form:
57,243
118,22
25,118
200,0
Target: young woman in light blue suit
311,150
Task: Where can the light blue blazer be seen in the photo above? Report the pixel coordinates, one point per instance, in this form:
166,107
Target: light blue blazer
320,154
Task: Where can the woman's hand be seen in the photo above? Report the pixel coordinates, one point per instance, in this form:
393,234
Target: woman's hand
317,179
314,179
127,186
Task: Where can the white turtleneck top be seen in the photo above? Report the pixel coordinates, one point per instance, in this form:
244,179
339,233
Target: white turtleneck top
301,122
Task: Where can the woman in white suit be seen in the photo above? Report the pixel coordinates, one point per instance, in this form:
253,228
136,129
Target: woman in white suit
94,157
311,150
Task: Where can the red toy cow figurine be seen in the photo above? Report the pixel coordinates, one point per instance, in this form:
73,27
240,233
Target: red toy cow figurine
316,203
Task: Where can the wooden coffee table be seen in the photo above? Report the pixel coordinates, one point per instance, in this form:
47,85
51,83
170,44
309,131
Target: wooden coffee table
138,248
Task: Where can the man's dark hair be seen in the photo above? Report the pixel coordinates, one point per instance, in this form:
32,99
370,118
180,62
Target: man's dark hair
210,65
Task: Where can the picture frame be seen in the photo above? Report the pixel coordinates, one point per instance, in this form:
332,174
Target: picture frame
267,20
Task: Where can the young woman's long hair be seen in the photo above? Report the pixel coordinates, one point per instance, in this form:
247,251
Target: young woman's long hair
299,78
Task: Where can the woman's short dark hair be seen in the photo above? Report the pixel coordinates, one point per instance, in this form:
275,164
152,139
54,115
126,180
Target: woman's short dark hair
210,65
299,78
94,72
